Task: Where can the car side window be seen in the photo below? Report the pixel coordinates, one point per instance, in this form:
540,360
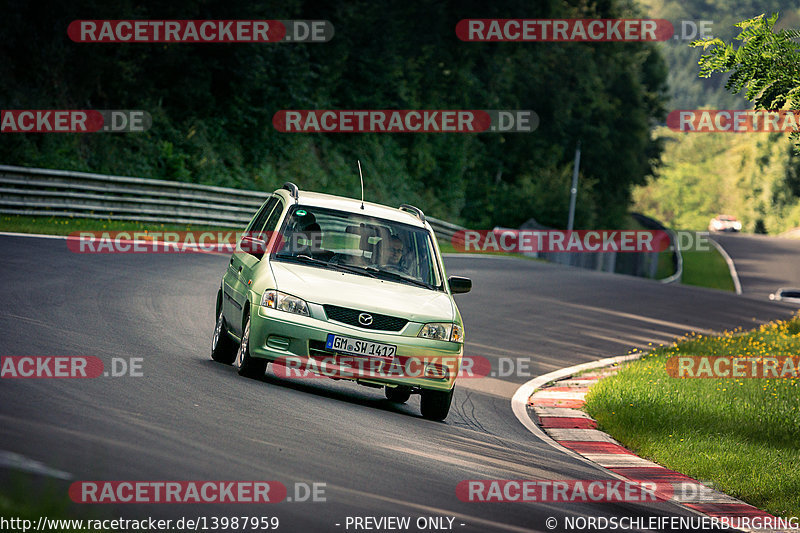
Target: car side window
275,217
256,226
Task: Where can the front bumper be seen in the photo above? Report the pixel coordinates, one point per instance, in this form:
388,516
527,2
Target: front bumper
298,342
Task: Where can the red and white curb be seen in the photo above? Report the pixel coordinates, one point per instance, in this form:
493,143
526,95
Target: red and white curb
555,400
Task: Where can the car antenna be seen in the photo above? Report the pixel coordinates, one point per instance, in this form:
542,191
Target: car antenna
360,175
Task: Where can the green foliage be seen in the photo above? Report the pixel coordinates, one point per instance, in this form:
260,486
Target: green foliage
30,498
686,90
753,176
706,268
766,65
212,104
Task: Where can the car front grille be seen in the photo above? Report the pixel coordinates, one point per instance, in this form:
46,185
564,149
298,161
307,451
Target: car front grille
317,350
350,317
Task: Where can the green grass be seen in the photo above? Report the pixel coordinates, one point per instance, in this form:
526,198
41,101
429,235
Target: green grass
701,268
665,267
28,498
66,225
741,435
446,247
706,269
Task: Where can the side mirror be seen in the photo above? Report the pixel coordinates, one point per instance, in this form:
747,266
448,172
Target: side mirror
253,246
459,285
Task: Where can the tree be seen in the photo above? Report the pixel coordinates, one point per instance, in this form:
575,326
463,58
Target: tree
212,104
766,65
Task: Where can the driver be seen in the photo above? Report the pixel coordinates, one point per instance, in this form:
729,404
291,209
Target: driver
393,253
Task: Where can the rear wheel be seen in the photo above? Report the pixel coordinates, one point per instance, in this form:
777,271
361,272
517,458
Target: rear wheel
246,365
223,349
435,404
399,394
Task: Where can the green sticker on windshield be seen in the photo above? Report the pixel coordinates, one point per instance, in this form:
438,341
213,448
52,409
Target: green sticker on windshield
301,213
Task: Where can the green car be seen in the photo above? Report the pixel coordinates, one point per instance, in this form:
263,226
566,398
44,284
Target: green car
322,285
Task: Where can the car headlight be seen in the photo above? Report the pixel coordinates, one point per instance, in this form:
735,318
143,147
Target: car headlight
284,302
442,331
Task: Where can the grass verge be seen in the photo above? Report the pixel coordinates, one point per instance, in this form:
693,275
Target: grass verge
740,435
446,247
66,225
29,498
665,267
706,269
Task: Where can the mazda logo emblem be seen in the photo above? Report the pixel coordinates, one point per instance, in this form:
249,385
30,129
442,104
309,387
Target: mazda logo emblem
365,319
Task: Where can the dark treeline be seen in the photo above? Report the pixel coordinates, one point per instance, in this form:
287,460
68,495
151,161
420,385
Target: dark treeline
212,104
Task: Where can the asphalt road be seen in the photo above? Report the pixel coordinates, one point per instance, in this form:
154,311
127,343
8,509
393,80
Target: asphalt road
764,263
189,418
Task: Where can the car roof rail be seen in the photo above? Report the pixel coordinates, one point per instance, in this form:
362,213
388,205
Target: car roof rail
294,192
415,210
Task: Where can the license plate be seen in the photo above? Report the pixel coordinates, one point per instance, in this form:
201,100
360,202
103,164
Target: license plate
337,343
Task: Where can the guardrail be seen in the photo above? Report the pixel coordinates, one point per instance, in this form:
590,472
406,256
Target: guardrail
641,264
64,193
677,257
677,261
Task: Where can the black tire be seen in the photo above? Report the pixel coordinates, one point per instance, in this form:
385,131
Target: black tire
223,348
435,404
245,364
399,394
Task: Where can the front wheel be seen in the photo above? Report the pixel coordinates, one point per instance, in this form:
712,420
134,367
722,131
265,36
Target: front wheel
223,349
247,365
435,404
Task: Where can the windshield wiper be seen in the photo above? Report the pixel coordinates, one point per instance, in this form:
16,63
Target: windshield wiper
314,261
399,277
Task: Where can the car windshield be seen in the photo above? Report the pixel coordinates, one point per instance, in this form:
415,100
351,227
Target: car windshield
359,244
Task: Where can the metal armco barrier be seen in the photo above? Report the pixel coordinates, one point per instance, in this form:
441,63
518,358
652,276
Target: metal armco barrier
640,264
63,193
